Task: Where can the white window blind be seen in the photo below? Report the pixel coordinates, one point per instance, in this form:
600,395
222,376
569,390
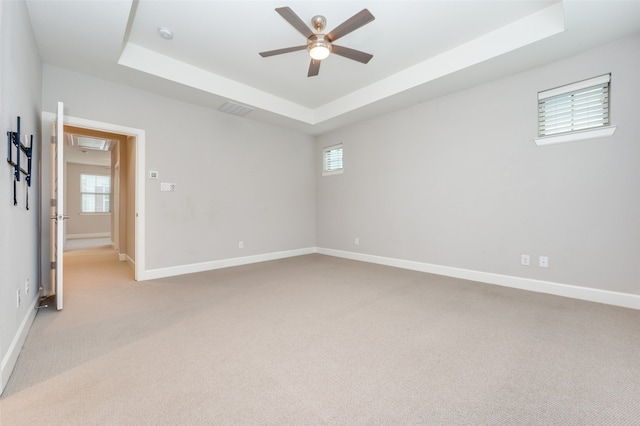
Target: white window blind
574,107
95,193
332,159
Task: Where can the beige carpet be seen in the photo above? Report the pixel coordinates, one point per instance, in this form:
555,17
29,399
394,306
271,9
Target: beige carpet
317,340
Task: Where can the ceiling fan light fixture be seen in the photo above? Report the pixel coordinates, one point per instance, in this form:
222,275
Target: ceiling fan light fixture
319,48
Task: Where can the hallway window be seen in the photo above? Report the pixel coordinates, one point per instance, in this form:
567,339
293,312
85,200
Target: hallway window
95,192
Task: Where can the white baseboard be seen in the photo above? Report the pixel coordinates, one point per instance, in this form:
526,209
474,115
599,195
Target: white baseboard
625,300
124,257
11,357
94,235
151,274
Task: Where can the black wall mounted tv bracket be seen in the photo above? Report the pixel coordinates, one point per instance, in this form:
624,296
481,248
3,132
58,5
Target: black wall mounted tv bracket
13,142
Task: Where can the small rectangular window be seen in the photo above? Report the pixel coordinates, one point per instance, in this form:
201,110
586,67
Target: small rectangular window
95,193
332,160
574,107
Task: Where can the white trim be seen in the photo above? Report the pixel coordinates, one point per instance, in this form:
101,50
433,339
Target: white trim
600,132
140,243
11,357
333,172
95,235
332,147
159,65
574,86
625,300
224,263
130,261
122,257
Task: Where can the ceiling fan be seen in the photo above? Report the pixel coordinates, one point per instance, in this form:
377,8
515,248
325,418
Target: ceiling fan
321,45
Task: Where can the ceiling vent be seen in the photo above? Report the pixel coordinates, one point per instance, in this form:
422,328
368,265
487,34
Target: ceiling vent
235,109
88,142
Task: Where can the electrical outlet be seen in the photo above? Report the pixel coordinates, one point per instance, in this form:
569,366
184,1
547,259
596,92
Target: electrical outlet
26,286
525,260
357,241
544,262
240,244
18,298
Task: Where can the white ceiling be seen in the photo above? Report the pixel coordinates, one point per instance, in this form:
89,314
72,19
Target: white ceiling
421,49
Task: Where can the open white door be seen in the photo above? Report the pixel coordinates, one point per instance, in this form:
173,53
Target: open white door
57,205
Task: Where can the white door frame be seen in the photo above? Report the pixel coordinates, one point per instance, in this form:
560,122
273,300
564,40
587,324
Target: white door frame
139,134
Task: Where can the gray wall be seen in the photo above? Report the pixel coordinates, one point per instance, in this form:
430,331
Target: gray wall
83,224
20,95
459,182
236,179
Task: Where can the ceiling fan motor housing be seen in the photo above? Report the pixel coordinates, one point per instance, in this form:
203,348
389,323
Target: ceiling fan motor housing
318,22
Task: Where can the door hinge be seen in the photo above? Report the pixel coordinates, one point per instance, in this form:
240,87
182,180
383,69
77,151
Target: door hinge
54,265
54,202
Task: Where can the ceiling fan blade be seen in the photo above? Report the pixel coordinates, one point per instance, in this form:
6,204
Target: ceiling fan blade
314,68
356,21
281,51
290,16
356,55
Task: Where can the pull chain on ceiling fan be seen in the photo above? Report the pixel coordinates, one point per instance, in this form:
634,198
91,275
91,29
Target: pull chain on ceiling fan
320,45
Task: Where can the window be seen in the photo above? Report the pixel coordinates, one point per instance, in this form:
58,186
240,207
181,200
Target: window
332,160
576,107
95,193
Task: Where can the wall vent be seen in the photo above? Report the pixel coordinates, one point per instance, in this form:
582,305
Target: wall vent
235,109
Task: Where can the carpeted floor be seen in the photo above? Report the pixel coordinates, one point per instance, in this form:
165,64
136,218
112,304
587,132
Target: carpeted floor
316,340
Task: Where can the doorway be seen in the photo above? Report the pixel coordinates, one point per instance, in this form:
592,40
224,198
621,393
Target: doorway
98,180
133,142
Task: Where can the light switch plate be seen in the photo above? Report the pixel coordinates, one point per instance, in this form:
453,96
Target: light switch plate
164,186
